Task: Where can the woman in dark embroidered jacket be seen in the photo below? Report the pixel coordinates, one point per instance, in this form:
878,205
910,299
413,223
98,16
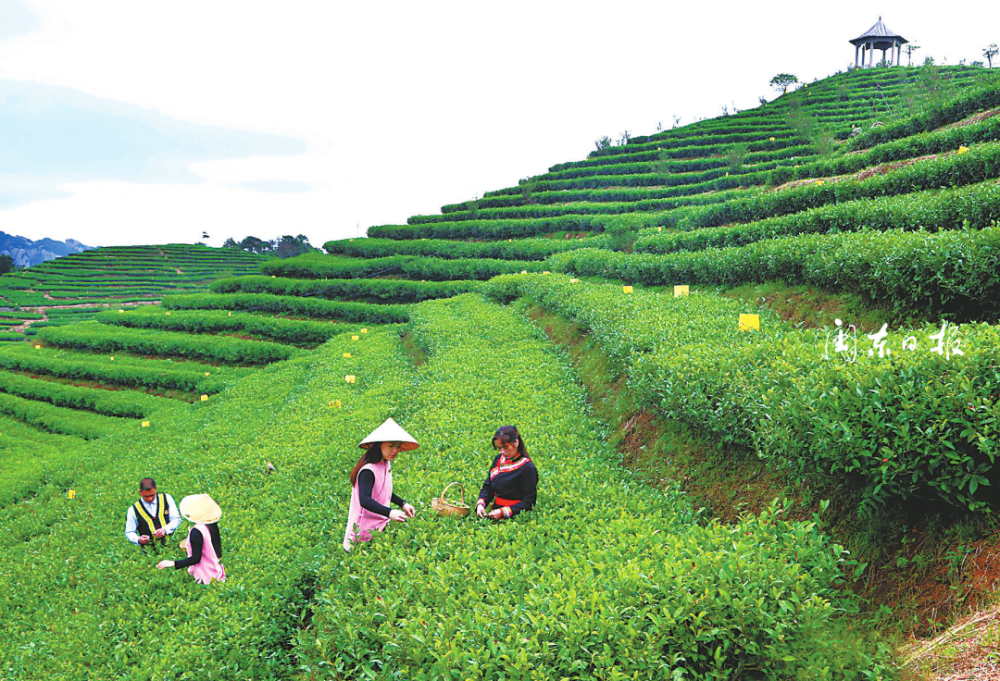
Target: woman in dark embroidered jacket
512,483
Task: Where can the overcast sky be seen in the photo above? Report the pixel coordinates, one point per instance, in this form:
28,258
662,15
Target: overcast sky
125,122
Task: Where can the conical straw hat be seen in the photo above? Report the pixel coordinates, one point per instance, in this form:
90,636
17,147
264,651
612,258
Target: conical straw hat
390,431
200,508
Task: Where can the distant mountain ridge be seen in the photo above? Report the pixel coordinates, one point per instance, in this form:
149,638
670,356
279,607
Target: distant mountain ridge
26,252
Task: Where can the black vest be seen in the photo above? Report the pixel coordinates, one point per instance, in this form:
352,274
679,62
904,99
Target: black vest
159,519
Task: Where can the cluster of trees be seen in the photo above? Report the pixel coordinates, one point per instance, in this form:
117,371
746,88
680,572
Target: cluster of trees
286,247
6,264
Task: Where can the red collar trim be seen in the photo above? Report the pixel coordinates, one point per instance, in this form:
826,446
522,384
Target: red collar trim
504,467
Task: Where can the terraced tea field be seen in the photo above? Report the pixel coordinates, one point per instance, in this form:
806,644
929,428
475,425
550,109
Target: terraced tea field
637,259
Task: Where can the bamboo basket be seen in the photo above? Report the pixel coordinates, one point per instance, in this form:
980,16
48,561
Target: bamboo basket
450,508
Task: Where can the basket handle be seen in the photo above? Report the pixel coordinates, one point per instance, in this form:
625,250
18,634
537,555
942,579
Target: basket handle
448,486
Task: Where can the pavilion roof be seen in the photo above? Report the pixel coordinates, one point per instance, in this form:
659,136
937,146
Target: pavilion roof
879,33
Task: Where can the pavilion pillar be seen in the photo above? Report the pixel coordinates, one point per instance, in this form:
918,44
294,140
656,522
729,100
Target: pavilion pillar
871,54
899,51
856,47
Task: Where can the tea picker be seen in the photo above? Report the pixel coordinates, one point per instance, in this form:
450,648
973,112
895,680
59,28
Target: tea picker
204,543
512,482
153,517
371,484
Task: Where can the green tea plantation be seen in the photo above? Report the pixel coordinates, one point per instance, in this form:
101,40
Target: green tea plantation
755,359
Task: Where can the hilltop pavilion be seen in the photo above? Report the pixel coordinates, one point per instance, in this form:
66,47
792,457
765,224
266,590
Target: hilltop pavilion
878,37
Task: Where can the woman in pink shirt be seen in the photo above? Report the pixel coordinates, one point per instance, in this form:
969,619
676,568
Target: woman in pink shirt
203,543
371,484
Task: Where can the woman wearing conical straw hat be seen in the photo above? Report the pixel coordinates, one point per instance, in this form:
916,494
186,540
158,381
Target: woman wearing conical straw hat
203,543
371,483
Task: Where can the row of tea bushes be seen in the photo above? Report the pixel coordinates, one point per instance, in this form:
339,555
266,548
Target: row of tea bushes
125,371
57,419
297,306
975,206
126,404
315,266
978,164
277,329
953,273
121,618
479,229
30,460
383,290
911,422
605,578
107,339
443,269
522,249
981,96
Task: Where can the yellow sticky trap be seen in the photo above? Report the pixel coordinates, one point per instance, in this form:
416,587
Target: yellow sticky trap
347,355
167,313
659,229
334,404
145,424
71,494
364,330
819,181
112,358
38,347
355,337
962,150
727,174
204,398
121,310
208,373
680,291
230,314
627,289
350,378
545,272
574,281
351,240
772,139
749,322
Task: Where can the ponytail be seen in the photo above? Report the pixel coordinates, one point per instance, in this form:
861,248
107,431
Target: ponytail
372,455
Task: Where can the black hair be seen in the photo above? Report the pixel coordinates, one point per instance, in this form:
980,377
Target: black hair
510,434
372,455
146,484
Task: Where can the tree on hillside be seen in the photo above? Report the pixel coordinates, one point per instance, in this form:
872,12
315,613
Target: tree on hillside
910,49
989,52
782,81
6,264
230,243
254,245
289,246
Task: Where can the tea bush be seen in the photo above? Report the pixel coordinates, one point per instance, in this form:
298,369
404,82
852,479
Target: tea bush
280,330
124,370
977,205
57,419
606,578
124,404
291,305
399,290
980,163
907,423
101,338
522,249
952,273
79,601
